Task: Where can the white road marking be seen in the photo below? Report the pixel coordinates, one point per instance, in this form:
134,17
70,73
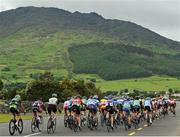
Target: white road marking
33,134
139,129
130,134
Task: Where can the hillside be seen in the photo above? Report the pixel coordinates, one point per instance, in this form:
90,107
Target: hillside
34,39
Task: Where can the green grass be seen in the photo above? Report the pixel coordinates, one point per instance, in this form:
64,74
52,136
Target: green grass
154,83
5,118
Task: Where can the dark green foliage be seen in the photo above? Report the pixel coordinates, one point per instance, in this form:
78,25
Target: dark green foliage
6,69
1,84
117,61
46,85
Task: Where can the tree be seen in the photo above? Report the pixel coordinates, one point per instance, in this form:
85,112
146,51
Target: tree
47,76
170,91
1,84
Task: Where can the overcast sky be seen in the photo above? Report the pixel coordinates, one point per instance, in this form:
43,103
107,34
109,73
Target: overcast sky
161,16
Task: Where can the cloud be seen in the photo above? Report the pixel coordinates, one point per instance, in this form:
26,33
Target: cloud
161,16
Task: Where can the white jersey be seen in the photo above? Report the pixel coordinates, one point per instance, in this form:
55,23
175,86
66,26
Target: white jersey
53,101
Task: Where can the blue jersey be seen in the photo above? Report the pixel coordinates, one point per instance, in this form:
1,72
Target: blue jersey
147,103
92,102
110,102
127,104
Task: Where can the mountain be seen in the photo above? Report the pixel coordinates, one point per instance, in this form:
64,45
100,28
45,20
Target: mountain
34,39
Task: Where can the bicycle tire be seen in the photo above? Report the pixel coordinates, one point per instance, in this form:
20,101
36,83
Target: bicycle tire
49,126
20,128
11,127
33,123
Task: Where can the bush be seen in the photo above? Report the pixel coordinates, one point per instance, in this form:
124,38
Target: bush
5,69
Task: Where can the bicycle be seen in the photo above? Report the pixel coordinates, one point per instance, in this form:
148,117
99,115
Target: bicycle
13,127
103,119
135,122
51,125
91,123
126,123
35,123
75,125
148,120
108,124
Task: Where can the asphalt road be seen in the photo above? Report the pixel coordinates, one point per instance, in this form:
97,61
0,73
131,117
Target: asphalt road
168,126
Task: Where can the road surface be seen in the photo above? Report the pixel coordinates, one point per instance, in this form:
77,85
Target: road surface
168,126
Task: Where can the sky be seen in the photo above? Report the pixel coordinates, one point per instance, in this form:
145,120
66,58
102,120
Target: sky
160,16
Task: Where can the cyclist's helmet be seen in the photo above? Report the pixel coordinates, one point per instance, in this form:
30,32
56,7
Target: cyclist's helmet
68,98
90,97
137,98
54,95
84,97
148,98
78,96
105,97
95,97
110,97
18,97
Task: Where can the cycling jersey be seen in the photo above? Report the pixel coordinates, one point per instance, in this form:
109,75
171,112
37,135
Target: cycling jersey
39,106
110,103
147,103
127,104
103,103
92,102
67,104
84,101
53,101
15,103
77,102
172,102
136,103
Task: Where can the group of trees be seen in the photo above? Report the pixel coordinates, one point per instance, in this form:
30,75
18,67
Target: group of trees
114,61
45,85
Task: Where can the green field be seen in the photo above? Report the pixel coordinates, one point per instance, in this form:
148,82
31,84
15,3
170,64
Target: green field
4,118
154,83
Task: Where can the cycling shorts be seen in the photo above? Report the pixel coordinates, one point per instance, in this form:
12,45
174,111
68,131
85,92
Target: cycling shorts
127,111
136,108
110,109
172,105
14,111
76,109
92,108
52,108
147,108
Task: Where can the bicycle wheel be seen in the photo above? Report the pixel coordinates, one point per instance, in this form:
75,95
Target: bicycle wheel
49,126
33,124
65,120
12,127
20,126
54,125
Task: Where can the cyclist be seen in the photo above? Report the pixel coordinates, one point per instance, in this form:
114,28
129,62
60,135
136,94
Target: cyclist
148,108
52,106
165,104
15,106
110,110
120,107
38,107
136,108
102,108
67,106
127,106
76,108
159,105
83,107
172,105
92,105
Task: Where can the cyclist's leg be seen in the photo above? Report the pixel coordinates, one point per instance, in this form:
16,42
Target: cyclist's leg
78,113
